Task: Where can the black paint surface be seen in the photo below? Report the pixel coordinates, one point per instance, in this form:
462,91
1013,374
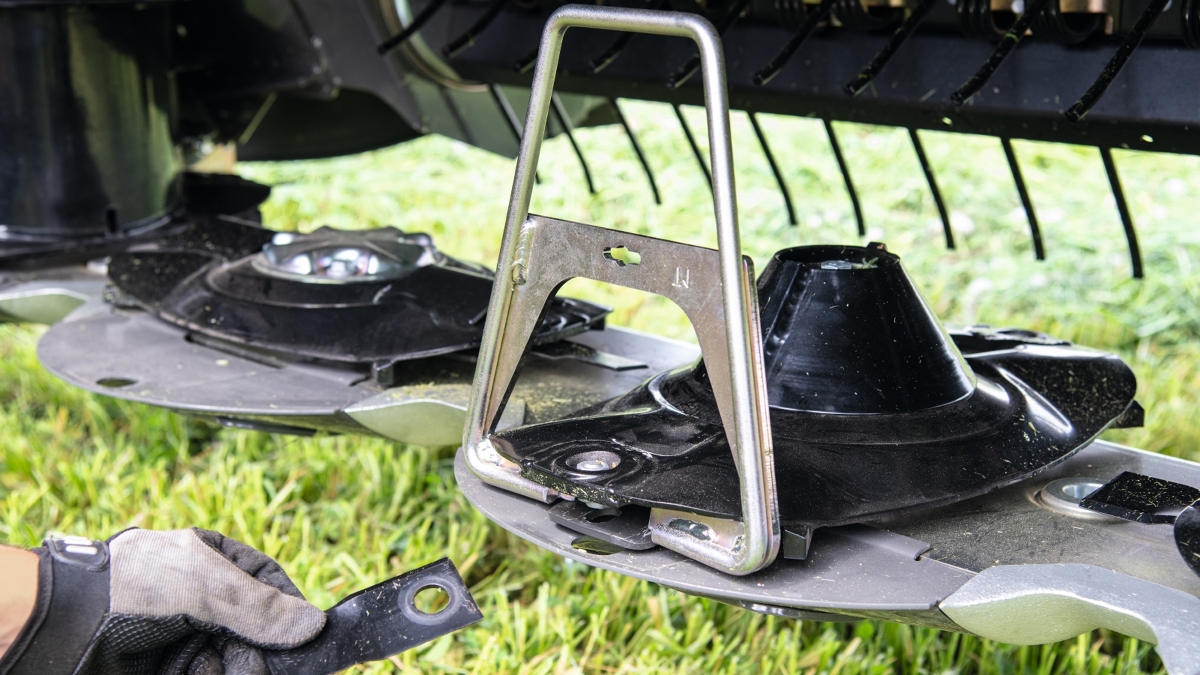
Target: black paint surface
216,291
1035,403
379,622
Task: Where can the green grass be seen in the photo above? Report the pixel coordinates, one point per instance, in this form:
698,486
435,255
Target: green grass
344,512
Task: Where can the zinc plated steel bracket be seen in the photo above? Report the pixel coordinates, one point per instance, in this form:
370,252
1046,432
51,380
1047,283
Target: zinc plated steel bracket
714,288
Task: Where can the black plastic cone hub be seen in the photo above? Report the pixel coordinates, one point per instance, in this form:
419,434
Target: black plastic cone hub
845,331
370,297
874,409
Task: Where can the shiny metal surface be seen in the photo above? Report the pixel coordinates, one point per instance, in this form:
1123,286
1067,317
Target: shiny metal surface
525,282
85,122
340,256
50,295
846,574
1035,604
1063,495
137,357
911,570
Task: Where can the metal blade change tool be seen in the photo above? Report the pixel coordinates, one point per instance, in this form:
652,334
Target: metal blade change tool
714,288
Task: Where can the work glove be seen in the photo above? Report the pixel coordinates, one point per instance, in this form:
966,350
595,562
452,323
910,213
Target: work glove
179,602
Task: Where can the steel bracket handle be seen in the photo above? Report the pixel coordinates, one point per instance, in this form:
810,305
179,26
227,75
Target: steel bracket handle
715,289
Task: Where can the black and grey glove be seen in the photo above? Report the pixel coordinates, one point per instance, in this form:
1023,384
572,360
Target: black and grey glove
180,602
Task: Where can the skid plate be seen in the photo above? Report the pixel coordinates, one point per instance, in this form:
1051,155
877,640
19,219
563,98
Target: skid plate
134,356
1009,545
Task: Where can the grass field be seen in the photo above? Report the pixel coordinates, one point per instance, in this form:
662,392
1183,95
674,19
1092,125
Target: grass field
344,512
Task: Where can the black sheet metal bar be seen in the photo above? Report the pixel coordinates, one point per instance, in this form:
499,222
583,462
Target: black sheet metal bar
1114,180
514,123
933,186
465,41
637,149
1039,252
783,188
776,64
1133,39
845,169
418,21
877,64
685,72
564,121
687,131
1007,44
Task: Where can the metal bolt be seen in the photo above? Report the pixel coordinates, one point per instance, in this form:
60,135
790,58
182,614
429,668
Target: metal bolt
592,465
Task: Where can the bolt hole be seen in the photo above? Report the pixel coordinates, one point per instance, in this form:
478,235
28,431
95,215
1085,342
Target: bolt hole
597,461
431,600
603,515
623,256
115,382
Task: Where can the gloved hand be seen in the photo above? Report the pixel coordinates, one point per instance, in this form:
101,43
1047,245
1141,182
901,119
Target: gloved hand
180,602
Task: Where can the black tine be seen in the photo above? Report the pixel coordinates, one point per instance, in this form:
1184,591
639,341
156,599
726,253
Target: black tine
419,20
514,122
1114,180
444,93
1007,43
1039,252
602,60
783,188
841,161
687,131
933,187
527,62
637,149
802,33
506,109
685,72
889,50
1132,41
467,39
564,121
